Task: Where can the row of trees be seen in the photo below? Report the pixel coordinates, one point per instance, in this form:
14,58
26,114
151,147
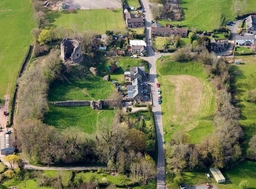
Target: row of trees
221,149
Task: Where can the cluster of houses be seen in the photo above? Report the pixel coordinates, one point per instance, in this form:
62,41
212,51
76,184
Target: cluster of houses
138,90
133,20
247,37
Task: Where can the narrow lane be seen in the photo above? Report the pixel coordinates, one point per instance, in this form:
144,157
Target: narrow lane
156,108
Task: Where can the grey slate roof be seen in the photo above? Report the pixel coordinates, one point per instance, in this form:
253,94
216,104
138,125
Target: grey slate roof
245,37
251,21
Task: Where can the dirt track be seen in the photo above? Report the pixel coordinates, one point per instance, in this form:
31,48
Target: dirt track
94,4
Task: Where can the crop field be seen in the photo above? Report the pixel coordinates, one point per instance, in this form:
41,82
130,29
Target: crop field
245,79
208,14
16,22
97,21
188,99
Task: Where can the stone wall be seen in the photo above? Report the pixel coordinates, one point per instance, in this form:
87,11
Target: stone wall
93,104
72,103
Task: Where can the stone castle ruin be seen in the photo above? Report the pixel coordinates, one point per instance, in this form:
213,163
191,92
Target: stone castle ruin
71,51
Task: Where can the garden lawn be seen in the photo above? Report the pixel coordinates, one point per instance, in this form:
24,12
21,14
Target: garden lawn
245,79
84,117
208,14
98,21
123,64
243,50
16,22
160,42
133,3
188,99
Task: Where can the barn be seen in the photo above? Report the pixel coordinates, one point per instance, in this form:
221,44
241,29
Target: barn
217,175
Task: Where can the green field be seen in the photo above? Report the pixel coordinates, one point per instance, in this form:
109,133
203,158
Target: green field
16,22
188,99
85,118
243,171
208,14
97,21
246,80
88,88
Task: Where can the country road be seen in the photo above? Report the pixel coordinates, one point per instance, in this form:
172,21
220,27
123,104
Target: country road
152,57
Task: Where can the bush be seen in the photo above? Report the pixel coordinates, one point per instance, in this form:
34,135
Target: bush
251,96
2,167
9,174
178,180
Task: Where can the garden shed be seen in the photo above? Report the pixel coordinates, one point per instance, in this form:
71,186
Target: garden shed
217,175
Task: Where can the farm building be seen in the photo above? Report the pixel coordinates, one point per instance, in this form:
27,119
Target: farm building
217,175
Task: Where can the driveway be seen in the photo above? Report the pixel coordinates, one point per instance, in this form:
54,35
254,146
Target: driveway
202,186
232,45
156,108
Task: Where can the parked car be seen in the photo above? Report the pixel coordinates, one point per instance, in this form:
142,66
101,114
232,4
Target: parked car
8,132
157,85
208,185
182,186
159,101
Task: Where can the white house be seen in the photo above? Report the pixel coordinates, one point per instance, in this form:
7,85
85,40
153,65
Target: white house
246,39
137,46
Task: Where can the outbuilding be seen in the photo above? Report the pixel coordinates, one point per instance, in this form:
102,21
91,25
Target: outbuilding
217,175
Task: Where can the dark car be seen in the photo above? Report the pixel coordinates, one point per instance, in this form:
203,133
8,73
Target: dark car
229,23
8,132
160,101
182,186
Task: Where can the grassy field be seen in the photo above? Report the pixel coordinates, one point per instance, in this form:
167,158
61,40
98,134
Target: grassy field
97,21
208,14
88,88
245,79
188,99
84,117
244,171
16,22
